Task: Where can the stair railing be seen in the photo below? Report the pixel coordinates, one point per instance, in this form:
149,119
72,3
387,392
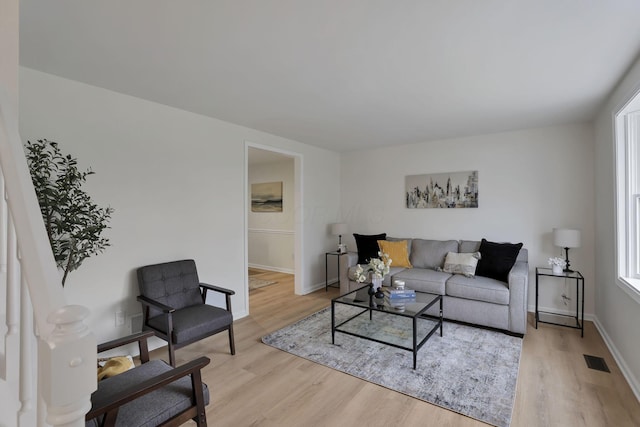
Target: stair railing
48,360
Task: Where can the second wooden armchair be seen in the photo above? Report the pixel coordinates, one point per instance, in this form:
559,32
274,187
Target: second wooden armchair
173,302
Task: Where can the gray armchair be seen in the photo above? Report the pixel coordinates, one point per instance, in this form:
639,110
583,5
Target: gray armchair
173,302
150,394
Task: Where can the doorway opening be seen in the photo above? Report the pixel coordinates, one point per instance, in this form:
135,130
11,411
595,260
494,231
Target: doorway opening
272,224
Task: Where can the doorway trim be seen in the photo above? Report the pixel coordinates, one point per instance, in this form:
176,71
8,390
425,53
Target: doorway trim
297,215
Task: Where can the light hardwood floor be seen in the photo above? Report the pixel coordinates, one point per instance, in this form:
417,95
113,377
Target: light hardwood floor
263,386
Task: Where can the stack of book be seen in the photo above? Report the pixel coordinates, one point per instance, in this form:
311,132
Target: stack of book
397,298
399,294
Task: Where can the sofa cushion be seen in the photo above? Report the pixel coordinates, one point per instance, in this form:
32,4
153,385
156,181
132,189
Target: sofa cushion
431,253
397,251
474,246
497,259
397,239
368,246
478,288
423,280
469,245
461,263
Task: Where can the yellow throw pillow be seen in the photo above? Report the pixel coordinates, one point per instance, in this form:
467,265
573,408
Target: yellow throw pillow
114,366
397,251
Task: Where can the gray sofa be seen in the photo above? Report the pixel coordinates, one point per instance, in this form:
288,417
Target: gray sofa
478,300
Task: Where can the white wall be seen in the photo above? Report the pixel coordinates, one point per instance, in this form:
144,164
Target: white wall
177,183
9,19
530,181
271,234
618,315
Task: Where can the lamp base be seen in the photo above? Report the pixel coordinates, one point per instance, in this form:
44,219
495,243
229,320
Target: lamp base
567,269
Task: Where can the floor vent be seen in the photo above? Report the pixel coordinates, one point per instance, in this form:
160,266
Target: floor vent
596,363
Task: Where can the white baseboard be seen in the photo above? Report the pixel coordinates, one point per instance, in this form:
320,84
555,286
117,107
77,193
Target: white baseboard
314,288
239,314
628,375
271,268
572,312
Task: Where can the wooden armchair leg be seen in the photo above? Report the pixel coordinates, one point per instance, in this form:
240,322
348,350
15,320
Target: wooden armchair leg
196,383
172,355
232,344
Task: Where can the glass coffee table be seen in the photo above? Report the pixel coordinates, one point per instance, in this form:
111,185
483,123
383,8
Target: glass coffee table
402,325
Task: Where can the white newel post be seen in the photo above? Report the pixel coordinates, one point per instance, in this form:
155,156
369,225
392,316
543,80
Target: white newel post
68,367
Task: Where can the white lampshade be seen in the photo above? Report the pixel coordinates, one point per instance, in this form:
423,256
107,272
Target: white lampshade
566,237
338,229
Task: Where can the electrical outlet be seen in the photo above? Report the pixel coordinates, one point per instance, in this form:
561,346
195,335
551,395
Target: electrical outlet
136,323
119,318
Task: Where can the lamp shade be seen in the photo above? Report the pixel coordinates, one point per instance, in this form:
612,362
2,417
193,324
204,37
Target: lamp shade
566,237
338,229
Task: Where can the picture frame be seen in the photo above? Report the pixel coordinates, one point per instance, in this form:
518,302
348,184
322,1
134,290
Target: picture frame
266,197
450,190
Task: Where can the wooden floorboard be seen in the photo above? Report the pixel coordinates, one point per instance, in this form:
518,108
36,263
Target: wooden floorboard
263,386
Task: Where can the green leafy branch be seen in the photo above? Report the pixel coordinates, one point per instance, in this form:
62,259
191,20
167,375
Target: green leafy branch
73,222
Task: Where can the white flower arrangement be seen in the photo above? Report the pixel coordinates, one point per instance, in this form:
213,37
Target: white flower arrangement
557,261
378,267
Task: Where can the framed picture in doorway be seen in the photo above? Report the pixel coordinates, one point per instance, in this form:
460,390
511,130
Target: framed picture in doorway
266,197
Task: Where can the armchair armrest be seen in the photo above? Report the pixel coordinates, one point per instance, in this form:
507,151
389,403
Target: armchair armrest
227,293
148,301
217,289
109,405
140,338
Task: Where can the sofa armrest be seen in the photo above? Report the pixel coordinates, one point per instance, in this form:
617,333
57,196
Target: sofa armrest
518,291
350,259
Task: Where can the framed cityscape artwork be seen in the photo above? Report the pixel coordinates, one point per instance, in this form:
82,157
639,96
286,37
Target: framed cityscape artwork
442,190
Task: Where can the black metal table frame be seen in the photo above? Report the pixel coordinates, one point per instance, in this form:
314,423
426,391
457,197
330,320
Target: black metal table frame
326,267
579,317
421,314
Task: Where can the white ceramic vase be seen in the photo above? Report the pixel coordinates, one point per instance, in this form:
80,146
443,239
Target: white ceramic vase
376,281
557,270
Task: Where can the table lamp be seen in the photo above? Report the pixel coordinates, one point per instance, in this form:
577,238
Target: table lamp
566,238
338,229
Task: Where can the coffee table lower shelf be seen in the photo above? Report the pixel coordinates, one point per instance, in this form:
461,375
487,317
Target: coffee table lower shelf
377,313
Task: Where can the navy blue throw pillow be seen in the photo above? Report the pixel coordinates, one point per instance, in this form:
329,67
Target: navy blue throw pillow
368,246
497,259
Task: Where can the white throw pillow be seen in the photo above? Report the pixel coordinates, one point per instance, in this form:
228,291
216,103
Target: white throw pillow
461,263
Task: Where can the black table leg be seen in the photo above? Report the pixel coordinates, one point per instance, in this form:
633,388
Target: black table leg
333,322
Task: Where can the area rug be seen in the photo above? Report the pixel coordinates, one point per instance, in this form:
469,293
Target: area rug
469,370
259,283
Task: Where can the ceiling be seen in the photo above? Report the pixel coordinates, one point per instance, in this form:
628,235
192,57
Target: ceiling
346,74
